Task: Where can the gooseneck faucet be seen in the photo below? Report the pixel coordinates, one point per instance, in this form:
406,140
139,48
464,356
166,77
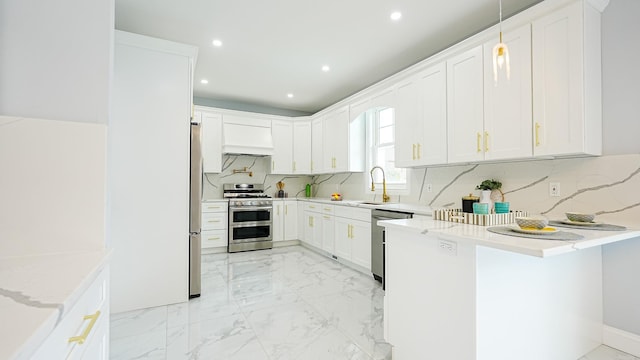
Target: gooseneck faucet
385,197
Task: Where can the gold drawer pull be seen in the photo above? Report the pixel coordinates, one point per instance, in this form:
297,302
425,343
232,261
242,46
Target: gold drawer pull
81,339
413,151
418,152
214,238
214,221
537,134
479,138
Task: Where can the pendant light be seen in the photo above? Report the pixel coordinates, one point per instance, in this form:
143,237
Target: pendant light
500,55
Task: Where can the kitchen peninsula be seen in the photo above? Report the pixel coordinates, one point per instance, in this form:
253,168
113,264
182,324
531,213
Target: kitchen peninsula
456,291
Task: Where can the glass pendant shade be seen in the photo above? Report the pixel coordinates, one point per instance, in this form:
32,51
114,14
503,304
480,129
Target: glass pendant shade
500,55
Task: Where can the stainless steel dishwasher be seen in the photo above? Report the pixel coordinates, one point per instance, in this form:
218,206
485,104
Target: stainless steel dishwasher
378,240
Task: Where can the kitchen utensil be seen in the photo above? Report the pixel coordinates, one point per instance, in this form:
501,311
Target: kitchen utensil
501,207
580,217
467,203
532,222
480,208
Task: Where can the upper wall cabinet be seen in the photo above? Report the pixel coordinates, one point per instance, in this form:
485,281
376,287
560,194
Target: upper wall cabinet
282,158
507,101
301,147
421,119
211,135
337,143
567,84
465,106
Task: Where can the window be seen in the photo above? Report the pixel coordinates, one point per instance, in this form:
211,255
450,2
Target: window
381,143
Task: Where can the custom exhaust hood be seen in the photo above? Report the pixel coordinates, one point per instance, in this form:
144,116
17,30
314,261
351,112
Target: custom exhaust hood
246,136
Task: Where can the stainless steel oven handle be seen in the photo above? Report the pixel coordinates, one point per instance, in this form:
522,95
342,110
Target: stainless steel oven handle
250,208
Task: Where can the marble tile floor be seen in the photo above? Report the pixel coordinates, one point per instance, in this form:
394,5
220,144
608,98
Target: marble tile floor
279,304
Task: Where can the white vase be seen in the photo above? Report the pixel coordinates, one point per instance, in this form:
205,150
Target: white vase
485,197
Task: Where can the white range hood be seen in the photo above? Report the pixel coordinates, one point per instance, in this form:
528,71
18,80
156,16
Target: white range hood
246,136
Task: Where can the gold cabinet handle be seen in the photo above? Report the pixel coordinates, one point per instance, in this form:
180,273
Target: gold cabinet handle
278,210
213,238
81,339
350,231
478,142
286,209
214,207
311,207
413,151
486,141
273,165
327,217
311,165
327,209
310,221
537,134
294,166
418,153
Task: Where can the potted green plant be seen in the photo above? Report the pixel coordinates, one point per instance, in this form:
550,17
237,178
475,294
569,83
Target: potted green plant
491,192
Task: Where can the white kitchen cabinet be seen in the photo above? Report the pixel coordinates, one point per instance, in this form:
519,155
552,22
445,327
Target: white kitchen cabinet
302,147
214,220
83,333
507,102
567,84
465,107
211,139
313,224
285,220
421,119
328,226
317,138
338,143
353,235
336,140
282,158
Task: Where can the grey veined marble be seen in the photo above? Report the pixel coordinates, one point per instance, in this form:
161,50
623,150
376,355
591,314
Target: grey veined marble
280,304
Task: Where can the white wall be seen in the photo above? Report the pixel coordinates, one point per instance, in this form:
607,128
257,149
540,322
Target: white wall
52,186
621,77
55,59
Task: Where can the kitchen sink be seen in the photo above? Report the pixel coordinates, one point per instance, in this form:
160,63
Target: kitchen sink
374,203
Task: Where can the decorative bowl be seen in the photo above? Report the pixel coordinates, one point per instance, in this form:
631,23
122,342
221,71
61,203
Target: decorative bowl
532,222
580,217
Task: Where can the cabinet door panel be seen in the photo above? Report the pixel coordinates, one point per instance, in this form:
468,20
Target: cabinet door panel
317,155
302,147
342,243
282,158
507,102
361,243
211,135
465,106
408,117
290,220
432,145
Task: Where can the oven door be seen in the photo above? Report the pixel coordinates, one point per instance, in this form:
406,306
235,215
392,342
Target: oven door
250,232
249,223
249,214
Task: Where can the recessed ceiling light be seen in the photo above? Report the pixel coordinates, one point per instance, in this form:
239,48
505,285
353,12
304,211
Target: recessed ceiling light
396,15
217,43
204,81
289,95
325,68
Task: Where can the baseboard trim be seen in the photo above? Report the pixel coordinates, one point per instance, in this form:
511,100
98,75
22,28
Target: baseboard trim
621,340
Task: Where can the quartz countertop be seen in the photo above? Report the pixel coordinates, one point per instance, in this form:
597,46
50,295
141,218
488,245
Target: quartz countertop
402,207
535,247
37,291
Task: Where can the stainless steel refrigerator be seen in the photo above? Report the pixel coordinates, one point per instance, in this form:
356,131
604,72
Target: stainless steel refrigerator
195,201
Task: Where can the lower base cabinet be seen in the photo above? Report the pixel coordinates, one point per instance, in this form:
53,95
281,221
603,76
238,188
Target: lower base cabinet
353,235
83,333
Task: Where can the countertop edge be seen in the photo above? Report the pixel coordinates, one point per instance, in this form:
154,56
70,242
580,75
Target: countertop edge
28,348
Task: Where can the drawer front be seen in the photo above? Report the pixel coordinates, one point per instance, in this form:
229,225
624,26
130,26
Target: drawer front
328,209
313,207
353,213
214,221
214,238
218,206
86,322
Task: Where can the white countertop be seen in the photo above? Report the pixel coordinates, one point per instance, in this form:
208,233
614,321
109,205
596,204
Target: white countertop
35,294
402,207
527,246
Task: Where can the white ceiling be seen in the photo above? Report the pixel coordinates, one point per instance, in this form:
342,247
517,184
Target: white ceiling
271,48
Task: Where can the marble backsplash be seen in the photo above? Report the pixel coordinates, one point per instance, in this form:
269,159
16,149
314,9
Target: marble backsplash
608,185
258,166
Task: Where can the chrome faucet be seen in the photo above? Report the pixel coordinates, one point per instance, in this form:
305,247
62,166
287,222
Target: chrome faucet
385,197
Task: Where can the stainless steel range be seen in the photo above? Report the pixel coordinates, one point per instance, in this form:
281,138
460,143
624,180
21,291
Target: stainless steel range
250,217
